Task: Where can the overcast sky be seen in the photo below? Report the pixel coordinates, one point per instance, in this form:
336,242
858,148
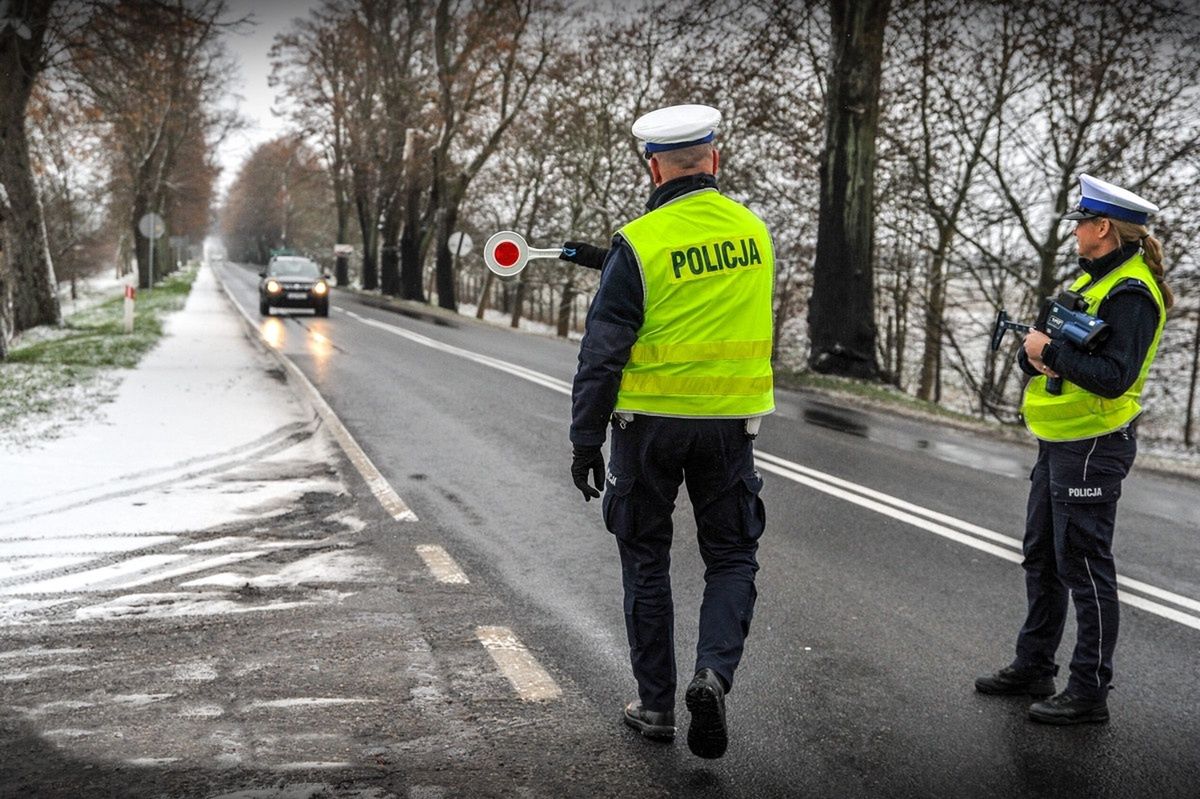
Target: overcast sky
250,49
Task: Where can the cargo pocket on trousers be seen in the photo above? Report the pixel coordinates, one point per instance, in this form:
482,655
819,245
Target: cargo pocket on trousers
1086,493
754,513
615,507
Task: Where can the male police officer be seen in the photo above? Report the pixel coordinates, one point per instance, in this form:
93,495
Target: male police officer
678,354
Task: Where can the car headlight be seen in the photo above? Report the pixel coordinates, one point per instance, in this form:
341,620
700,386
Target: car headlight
273,287
319,288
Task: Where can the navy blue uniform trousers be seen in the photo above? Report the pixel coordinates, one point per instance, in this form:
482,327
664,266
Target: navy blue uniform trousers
650,457
1069,527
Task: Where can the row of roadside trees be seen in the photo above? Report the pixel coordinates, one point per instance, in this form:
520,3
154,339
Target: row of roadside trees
109,110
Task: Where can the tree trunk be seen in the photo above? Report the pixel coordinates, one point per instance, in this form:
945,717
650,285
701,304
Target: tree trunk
485,294
1191,401
841,314
366,223
935,312
410,236
30,270
6,321
564,307
445,259
518,304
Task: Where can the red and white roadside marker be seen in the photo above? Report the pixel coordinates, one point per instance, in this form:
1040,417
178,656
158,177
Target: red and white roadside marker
130,298
506,253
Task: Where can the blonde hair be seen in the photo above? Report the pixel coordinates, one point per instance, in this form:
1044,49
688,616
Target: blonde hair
1152,252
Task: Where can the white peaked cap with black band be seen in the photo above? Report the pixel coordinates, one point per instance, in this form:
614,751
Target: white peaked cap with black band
1101,198
676,126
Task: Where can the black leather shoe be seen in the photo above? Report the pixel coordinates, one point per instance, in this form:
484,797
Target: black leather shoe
707,736
656,724
1014,682
1067,708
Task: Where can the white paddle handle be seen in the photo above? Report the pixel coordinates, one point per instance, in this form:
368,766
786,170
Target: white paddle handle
534,252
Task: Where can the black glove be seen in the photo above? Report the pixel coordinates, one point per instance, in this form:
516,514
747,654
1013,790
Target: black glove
584,254
584,460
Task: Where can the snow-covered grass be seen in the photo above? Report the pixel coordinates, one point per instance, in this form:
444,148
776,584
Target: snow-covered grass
58,375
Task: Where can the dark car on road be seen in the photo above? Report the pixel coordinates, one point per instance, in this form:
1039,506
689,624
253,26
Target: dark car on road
291,281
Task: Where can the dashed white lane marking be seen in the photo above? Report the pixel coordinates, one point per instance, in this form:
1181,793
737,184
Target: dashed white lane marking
383,491
443,567
972,535
531,682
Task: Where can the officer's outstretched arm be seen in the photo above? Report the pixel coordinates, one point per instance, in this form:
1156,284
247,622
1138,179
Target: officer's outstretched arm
584,254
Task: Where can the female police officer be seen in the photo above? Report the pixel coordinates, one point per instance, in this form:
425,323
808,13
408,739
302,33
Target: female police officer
1086,445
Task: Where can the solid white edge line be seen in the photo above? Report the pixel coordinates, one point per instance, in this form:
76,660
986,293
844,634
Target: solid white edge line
966,527
539,378
441,565
900,515
1127,584
531,682
383,491
924,518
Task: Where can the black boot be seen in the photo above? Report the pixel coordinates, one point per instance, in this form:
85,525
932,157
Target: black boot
656,724
1013,682
707,736
1067,708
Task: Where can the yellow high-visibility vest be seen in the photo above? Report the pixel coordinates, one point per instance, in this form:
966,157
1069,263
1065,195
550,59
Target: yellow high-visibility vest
1076,413
704,348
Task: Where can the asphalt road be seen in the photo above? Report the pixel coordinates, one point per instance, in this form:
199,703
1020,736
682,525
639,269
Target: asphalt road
889,577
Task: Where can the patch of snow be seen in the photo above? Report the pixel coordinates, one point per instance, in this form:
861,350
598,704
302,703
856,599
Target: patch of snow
324,567
307,701
76,545
165,455
176,604
41,652
195,672
28,566
138,700
40,671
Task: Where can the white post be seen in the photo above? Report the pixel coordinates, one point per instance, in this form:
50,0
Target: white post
130,295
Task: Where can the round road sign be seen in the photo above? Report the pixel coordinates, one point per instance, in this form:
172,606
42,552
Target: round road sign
152,226
460,244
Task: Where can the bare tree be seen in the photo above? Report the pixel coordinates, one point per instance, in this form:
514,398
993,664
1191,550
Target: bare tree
153,73
30,272
841,315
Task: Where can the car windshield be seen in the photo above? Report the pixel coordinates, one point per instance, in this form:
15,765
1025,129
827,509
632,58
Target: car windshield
295,267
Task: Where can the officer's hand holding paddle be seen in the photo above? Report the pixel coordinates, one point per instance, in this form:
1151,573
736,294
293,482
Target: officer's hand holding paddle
584,254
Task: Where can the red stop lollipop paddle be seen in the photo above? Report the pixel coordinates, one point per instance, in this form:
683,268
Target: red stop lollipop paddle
506,253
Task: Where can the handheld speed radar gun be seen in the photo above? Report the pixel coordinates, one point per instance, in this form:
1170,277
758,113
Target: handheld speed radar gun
1064,318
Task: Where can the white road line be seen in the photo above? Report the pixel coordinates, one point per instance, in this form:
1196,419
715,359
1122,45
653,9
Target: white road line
443,567
962,532
541,379
383,491
531,681
956,530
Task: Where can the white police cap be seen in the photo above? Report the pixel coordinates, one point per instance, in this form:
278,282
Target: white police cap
1101,198
676,126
